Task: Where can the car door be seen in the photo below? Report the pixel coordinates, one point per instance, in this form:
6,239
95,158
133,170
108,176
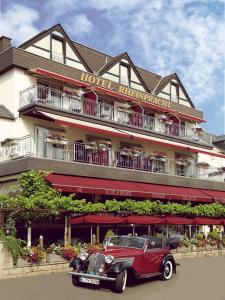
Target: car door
152,259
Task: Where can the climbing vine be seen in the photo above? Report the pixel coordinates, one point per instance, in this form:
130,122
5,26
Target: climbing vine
35,194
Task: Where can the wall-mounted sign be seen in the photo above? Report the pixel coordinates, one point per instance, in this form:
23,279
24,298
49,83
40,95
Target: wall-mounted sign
122,89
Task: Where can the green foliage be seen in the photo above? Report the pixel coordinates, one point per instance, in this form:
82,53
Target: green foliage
214,235
109,233
14,246
10,226
35,194
1,235
160,235
199,236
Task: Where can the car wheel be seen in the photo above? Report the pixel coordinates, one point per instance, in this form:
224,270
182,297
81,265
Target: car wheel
167,270
121,280
75,280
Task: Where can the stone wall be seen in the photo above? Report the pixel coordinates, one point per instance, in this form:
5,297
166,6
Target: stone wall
15,272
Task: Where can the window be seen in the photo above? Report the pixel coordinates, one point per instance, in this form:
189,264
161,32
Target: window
174,94
124,74
57,49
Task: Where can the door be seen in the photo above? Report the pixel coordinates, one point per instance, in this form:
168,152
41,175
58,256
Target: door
152,259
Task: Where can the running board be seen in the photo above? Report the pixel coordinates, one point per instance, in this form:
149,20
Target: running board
150,275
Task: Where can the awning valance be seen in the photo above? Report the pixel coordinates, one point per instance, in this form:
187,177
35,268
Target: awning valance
77,184
178,221
61,120
98,219
144,220
218,196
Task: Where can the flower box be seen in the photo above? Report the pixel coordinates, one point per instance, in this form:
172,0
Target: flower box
9,142
56,140
203,165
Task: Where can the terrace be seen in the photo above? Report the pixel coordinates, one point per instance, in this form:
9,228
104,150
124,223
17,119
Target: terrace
125,114
103,154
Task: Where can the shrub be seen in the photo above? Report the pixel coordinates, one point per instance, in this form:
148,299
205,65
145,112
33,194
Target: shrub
54,249
185,242
14,246
223,241
68,252
200,236
33,255
214,235
109,233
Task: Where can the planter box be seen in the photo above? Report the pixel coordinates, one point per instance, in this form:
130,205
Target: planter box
184,249
23,263
52,258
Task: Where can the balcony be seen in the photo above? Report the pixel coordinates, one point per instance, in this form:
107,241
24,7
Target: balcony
104,155
120,115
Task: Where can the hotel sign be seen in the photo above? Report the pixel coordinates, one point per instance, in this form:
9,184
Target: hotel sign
124,90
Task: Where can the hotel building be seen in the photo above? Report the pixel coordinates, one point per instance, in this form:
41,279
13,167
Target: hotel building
104,127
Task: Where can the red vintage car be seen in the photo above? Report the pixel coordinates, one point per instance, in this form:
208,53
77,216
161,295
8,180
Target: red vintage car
125,258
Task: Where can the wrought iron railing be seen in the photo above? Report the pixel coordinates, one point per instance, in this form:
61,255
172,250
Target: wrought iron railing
61,149
78,104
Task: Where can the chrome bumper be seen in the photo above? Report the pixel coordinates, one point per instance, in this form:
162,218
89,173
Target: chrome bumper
92,276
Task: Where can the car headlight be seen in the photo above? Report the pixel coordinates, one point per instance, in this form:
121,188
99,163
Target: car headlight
83,256
109,259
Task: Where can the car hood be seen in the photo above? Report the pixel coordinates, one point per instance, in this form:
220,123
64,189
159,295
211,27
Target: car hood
122,252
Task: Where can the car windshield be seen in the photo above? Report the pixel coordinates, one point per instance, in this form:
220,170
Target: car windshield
127,241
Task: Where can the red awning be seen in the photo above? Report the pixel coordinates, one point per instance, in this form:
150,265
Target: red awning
77,184
179,221
175,193
145,220
218,196
98,219
77,220
208,221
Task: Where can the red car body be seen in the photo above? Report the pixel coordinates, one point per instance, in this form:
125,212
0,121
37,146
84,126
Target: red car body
126,257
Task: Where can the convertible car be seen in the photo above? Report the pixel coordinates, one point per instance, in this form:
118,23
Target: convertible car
125,258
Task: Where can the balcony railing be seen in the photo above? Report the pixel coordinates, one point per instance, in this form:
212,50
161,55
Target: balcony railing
100,110
61,149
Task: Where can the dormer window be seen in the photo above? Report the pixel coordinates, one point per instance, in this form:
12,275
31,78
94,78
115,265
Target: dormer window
57,49
174,93
125,74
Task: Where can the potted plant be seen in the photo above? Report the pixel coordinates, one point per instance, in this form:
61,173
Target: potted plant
159,156
33,255
68,252
203,165
214,239
201,242
9,142
169,121
53,254
184,245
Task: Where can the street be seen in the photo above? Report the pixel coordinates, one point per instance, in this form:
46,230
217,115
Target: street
196,279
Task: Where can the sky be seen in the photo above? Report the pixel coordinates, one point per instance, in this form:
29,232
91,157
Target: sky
162,36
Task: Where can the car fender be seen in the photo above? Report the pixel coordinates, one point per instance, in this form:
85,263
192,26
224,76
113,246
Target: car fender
119,267
74,263
167,257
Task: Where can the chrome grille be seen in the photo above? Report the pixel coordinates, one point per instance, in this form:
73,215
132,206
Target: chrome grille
96,264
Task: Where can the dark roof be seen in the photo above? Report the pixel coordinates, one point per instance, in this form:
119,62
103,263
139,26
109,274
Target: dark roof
96,61
218,138
5,113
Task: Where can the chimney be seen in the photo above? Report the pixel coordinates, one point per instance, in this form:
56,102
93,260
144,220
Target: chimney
5,43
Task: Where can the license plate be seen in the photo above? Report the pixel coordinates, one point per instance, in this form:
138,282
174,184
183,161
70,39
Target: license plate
89,280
